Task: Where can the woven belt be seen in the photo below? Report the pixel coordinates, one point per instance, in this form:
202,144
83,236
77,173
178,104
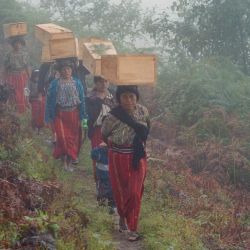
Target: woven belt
122,149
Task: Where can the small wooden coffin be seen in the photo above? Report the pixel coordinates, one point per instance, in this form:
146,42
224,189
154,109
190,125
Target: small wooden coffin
92,52
50,31
129,69
15,29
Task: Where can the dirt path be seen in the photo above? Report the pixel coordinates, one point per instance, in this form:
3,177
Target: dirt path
84,175
121,242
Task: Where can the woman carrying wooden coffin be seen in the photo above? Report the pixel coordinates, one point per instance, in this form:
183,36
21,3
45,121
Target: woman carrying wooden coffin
65,107
16,72
125,129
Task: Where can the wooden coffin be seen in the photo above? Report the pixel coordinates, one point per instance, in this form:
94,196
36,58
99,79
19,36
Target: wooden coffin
46,54
50,31
129,69
81,42
63,48
15,29
92,52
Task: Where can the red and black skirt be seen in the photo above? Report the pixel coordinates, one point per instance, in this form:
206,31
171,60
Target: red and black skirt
68,131
127,183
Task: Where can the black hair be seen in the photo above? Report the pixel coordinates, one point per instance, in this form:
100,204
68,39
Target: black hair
126,88
60,64
16,39
34,74
98,79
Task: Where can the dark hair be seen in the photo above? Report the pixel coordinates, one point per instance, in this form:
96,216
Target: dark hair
34,74
126,88
60,64
16,39
98,79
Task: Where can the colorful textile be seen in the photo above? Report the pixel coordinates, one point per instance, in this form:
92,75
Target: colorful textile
97,108
141,133
18,81
127,185
37,112
51,105
120,133
16,61
67,94
68,134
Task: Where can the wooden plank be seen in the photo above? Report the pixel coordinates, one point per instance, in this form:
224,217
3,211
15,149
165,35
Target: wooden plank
63,48
129,69
50,31
92,52
15,29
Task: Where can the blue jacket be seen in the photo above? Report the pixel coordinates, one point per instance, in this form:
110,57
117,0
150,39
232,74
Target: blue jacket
50,110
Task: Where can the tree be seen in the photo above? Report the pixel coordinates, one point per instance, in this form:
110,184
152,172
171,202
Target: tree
103,18
209,27
13,11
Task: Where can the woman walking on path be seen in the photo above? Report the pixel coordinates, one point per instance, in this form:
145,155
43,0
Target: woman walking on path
17,72
99,102
125,129
65,107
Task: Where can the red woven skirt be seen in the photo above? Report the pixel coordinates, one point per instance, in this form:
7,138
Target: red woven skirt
37,112
127,186
97,137
18,82
68,134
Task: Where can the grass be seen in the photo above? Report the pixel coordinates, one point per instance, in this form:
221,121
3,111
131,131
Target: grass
81,223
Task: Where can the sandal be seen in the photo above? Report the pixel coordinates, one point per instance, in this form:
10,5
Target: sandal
133,236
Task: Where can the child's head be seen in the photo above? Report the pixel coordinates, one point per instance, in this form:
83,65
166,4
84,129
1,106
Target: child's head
34,75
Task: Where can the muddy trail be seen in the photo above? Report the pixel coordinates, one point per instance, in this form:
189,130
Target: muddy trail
119,240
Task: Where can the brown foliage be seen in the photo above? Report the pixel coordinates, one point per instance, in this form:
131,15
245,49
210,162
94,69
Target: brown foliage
19,196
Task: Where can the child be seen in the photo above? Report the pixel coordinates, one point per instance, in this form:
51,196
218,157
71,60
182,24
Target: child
37,102
103,186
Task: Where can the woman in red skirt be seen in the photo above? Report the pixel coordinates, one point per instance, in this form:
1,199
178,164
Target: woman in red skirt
17,73
65,108
125,129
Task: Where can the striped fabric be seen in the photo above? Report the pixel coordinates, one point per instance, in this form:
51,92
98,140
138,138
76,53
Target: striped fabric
127,185
68,134
18,81
122,150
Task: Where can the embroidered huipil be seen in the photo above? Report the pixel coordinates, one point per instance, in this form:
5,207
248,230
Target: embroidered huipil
67,94
120,133
16,61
